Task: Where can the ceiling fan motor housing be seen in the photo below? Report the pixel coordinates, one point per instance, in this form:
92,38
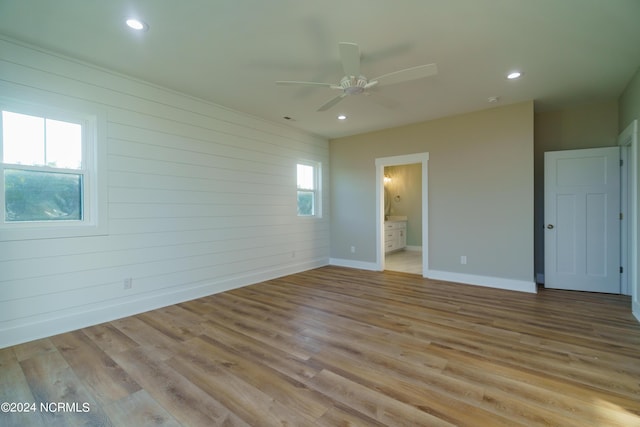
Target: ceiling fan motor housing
352,85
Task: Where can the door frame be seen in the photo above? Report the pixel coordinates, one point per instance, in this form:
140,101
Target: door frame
381,163
628,142
612,170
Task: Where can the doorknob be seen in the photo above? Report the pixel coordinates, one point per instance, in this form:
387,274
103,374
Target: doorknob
550,226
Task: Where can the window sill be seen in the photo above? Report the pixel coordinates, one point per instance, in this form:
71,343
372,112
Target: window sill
46,231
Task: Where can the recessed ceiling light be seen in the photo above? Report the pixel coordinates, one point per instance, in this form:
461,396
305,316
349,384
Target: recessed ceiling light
514,75
137,24
342,117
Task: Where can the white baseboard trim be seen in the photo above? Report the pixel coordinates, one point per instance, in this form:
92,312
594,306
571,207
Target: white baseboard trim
635,309
82,317
361,265
487,281
468,279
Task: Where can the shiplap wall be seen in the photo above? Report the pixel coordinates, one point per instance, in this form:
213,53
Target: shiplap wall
200,199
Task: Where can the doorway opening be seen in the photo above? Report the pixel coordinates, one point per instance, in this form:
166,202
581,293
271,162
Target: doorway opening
383,211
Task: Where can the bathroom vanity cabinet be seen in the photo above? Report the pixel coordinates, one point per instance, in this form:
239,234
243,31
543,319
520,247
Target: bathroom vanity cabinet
395,235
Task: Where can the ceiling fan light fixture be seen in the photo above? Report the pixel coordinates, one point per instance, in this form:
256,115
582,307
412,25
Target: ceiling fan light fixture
352,85
354,90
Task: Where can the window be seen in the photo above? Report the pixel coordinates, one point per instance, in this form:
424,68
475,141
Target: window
48,173
308,189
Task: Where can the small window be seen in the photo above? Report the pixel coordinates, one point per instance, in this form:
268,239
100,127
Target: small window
48,173
43,172
308,189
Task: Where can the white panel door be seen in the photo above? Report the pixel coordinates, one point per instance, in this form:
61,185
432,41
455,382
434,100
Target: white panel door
582,219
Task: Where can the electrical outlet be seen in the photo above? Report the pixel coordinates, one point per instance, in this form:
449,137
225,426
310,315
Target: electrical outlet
463,259
353,249
128,283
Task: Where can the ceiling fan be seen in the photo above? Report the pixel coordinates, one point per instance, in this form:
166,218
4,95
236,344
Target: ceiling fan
354,83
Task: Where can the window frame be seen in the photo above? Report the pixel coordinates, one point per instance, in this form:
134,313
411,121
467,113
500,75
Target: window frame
93,170
316,191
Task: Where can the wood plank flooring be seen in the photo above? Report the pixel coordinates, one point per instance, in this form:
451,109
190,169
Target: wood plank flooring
341,347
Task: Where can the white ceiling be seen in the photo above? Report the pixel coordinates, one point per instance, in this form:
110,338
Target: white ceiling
231,52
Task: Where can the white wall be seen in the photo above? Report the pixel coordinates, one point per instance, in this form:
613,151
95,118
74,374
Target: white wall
200,199
480,195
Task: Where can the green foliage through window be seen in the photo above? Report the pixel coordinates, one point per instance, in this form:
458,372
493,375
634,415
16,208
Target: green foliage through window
305,203
307,183
42,196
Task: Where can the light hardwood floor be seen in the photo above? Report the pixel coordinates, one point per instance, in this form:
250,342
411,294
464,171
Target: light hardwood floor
342,347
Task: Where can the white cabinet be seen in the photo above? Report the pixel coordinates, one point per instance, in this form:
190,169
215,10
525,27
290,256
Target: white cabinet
395,235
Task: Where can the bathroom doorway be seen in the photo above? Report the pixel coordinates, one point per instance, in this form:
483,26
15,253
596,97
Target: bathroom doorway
402,217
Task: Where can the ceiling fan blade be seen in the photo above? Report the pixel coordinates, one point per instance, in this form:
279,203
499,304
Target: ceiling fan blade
408,74
286,83
332,102
350,57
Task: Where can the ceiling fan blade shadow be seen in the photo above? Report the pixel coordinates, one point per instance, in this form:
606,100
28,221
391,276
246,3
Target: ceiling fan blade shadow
386,53
408,74
350,58
384,101
332,102
324,51
324,67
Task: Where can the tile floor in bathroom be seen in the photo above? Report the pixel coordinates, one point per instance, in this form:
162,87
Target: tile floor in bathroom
407,261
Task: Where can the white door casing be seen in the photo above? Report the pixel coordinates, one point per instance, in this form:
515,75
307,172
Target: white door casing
628,141
582,219
422,158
